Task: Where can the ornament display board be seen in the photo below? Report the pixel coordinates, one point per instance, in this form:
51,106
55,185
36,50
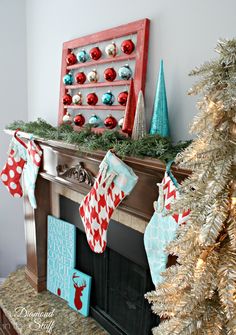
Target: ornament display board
122,46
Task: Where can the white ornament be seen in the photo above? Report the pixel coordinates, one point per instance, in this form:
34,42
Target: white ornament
111,49
67,118
92,76
77,99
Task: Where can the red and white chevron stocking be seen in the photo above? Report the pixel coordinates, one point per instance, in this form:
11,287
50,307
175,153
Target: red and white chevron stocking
170,194
114,181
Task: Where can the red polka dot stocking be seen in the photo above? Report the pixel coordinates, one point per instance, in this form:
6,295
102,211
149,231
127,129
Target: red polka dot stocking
114,181
13,168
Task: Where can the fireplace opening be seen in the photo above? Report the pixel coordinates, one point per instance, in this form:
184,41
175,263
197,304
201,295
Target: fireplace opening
120,275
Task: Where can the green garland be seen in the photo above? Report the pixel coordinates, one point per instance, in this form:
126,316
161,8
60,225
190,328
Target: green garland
150,146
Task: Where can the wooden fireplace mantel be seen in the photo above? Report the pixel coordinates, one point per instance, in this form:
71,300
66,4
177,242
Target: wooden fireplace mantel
57,158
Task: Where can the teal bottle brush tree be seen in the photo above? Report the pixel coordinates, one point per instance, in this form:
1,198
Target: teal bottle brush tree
160,121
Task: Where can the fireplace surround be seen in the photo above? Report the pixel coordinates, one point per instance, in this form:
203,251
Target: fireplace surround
58,193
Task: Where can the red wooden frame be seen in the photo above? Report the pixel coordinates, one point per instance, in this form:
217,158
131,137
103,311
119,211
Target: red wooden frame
140,55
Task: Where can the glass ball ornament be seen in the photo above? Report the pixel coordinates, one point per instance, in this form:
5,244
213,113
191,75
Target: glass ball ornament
108,98
82,56
79,120
120,122
95,121
68,79
80,78
77,98
109,74
122,98
111,49
110,122
67,118
71,59
67,99
92,99
127,47
125,72
95,53
92,76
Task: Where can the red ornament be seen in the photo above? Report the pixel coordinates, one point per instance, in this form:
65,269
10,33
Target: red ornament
71,59
79,120
110,122
127,46
110,74
92,99
59,292
122,98
67,99
95,53
80,78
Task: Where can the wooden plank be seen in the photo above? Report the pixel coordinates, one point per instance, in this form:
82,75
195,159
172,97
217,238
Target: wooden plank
61,111
96,107
99,84
105,35
102,61
98,130
142,56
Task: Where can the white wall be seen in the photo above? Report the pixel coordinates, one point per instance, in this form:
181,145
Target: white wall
183,33
13,106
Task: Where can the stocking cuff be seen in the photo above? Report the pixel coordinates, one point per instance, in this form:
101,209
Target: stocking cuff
18,148
126,179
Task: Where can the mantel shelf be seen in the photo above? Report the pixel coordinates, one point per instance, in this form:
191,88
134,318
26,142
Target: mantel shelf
153,164
99,84
94,63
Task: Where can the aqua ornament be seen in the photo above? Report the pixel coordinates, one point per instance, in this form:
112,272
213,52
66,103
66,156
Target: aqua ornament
68,79
82,56
108,98
95,121
160,120
125,72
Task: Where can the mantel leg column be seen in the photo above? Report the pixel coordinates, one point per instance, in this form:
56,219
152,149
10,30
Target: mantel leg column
36,235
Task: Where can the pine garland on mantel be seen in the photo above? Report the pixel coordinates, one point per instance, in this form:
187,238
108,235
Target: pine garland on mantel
150,146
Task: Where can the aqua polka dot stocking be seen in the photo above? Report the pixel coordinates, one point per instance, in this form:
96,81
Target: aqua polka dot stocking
34,157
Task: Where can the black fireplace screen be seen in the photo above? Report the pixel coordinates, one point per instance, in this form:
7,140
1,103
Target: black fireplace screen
120,275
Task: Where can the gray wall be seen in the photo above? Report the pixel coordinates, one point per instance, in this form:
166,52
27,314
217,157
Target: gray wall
183,33
13,106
